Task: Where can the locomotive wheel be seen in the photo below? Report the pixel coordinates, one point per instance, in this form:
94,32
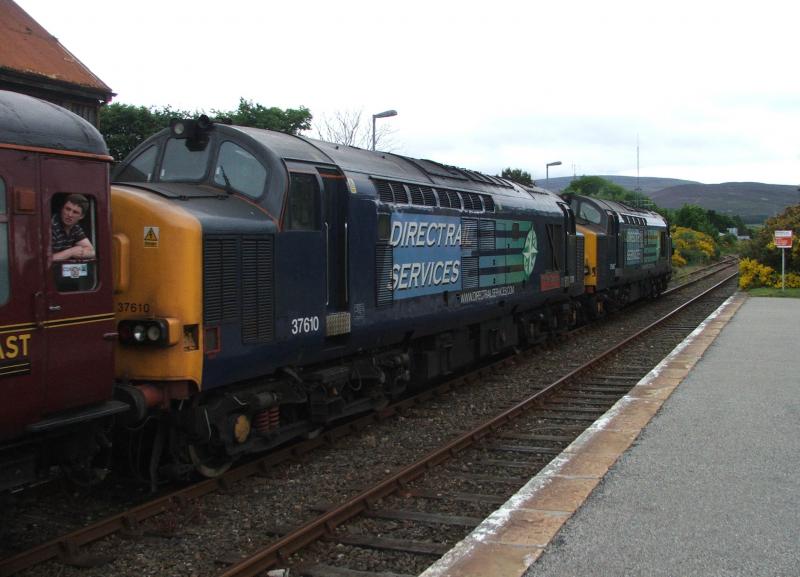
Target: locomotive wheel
208,456
208,460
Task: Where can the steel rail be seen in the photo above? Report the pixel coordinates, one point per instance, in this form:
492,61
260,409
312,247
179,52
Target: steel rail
67,547
711,270
281,550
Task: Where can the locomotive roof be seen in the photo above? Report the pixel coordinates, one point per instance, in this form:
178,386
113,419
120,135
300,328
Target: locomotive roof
381,164
619,207
651,217
28,121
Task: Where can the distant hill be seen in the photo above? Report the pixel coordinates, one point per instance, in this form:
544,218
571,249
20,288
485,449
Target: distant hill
753,201
647,184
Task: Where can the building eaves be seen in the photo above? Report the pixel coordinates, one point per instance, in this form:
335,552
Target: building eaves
27,48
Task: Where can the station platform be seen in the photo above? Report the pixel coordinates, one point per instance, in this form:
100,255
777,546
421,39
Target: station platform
694,473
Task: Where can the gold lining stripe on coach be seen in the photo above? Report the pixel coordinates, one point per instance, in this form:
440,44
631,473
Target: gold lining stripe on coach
56,323
17,328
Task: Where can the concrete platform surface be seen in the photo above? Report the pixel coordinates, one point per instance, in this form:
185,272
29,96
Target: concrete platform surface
709,487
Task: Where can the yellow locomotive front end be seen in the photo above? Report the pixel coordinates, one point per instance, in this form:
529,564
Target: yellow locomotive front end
158,295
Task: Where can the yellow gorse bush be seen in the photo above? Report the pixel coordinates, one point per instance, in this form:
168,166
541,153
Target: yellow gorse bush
754,274
691,246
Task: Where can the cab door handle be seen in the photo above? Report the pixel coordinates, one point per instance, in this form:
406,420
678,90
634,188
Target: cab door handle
54,308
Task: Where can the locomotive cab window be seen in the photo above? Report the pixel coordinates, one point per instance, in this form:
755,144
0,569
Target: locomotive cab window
303,208
5,280
141,168
588,213
239,170
183,162
72,233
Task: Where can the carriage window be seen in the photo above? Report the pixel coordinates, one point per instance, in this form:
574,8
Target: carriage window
180,163
238,169
5,281
141,168
72,238
303,202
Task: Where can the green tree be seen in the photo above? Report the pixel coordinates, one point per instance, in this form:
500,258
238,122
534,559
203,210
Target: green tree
517,175
762,246
248,113
601,188
696,218
125,126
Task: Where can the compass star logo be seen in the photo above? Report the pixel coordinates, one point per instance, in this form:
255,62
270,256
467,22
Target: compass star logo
530,251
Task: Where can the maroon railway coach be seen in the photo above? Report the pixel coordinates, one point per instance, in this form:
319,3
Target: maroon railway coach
56,317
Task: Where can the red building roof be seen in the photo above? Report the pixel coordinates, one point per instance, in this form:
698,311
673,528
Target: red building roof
27,48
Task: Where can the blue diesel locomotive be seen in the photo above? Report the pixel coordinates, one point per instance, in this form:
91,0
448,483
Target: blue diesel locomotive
268,284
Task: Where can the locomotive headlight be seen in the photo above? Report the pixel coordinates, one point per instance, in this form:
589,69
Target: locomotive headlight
159,332
153,333
139,333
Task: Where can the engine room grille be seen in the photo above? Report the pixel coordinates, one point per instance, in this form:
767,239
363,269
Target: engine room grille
220,280
400,194
403,193
428,198
469,272
258,304
238,284
384,191
383,275
486,239
469,234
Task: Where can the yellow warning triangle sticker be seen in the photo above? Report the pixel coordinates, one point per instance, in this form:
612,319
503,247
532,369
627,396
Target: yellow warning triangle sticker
151,237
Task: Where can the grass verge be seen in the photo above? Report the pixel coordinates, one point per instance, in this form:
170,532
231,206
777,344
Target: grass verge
793,293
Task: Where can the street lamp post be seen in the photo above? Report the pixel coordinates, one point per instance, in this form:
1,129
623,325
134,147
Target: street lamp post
547,169
384,114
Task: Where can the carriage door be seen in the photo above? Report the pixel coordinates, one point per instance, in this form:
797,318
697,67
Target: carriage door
78,308
335,229
21,293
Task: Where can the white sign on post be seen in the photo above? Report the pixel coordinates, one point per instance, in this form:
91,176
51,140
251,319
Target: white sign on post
783,240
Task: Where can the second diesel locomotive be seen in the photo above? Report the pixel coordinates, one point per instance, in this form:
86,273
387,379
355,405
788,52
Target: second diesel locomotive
269,284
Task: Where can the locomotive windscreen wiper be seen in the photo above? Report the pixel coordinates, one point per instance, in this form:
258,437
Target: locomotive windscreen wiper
228,188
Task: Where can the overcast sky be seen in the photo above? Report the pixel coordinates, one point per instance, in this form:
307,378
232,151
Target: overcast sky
710,90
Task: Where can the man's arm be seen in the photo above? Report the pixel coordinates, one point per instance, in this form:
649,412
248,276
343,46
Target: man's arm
82,249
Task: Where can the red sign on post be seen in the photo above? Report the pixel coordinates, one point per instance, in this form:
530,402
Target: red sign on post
783,238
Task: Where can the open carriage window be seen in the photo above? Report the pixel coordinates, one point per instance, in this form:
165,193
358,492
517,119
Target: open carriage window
5,280
72,234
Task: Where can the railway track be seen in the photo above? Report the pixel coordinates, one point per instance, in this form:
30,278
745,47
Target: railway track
501,458
484,465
